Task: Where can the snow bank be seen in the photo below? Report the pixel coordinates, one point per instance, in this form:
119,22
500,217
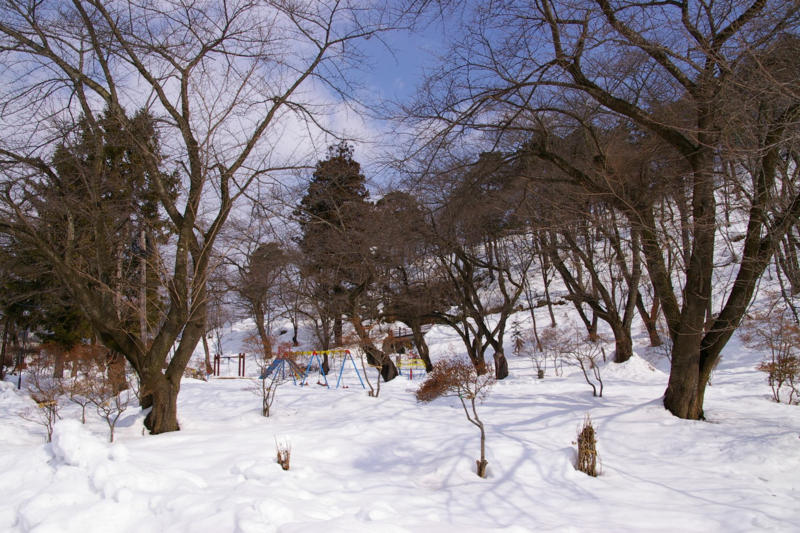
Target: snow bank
635,369
389,464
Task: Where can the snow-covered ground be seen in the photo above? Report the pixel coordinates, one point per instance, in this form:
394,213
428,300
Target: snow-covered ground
389,464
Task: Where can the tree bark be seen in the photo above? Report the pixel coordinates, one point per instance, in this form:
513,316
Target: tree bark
421,345
160,395
209,364
650,320
375,356
500,364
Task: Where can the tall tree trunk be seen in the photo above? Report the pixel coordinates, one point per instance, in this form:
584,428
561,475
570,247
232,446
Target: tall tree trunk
623,342
421,345
375,356
295,330
650,320
337,330
160,394
686,387
546,281
58,366
3,365
263,335
500,364
143,286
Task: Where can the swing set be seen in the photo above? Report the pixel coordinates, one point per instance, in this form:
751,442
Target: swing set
298,373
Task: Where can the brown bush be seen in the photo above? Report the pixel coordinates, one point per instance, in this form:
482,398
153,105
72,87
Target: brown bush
777,334
587,448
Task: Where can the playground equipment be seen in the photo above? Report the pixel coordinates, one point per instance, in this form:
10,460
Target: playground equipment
410,365
218,360
280,365
315,357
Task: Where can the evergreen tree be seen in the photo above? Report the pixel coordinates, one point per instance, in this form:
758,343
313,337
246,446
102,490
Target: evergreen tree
329,215
339,241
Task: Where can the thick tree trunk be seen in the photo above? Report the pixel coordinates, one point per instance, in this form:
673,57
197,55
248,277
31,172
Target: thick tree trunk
115,370
58,366
421,345
337,330
686,388
161,396
375,357
500,364
623,343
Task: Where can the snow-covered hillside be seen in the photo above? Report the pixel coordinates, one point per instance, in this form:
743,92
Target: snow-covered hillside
389,464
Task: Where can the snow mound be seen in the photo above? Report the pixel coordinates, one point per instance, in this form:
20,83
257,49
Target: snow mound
74,445
634,369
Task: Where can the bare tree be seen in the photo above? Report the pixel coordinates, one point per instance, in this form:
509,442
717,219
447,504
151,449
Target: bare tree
540,73
221,79
48,394
473,233
458,377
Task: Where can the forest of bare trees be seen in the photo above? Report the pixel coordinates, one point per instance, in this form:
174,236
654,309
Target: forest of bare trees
616,156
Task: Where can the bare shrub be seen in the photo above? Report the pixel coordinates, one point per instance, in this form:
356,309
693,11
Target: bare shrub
266,386
108,397
532,348
587,448
77,390
552,341
284,453
776,333
457,377
48,393
586,355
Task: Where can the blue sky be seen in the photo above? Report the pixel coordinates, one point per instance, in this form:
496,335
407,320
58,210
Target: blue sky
396,76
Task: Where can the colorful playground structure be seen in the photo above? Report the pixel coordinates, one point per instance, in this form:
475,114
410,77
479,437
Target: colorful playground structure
409,366
312,362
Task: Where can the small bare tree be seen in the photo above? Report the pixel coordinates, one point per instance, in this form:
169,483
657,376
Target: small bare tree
108,398
532,348
48,393
458,377
585,354
77,390
267,383
551,343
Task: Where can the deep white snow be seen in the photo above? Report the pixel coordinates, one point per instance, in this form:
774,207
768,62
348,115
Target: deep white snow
388,464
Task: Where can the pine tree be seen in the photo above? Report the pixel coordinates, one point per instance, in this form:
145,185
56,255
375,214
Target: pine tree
329,216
